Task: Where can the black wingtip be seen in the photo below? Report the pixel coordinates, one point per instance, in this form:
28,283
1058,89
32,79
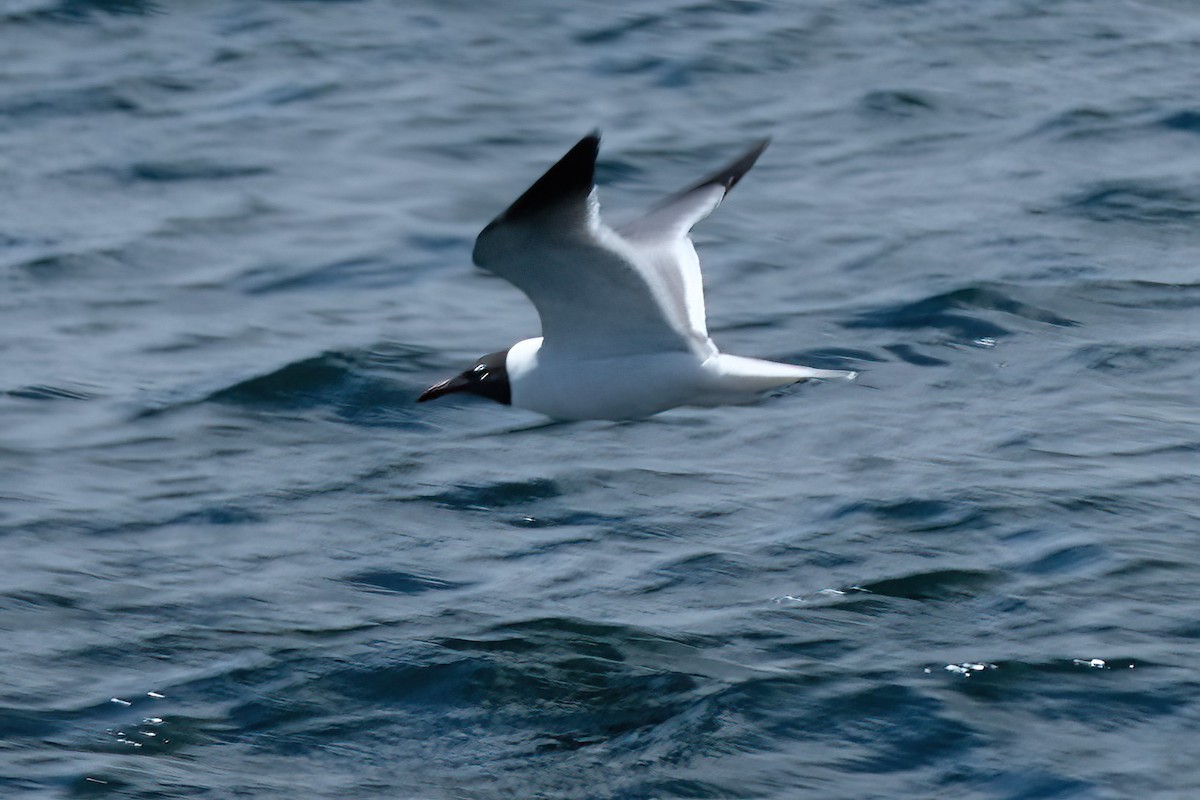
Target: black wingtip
729,175
572,177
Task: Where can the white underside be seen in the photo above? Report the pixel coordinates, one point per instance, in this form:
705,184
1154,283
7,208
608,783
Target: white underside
636,386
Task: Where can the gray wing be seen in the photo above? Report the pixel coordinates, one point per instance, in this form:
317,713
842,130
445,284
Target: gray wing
598,292
661,236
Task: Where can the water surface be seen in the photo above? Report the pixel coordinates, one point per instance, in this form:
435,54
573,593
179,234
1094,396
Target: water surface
240,562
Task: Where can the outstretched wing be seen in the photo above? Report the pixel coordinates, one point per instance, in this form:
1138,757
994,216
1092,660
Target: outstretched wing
599,292
661,236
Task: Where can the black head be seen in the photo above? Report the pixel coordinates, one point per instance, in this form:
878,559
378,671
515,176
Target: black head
487,378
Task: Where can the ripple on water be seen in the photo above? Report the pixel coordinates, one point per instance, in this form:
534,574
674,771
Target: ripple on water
193,169
921,514
357,386
500,494
371,272
1142,294
395,582
1187,120
301,384
907,354
943,584
1073,559
1134,359
1144,202
945,312
899,102
574,682
44,392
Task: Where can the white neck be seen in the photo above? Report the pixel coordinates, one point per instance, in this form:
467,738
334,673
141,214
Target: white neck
522,358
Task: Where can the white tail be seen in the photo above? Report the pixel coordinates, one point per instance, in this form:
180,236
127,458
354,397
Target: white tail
737,373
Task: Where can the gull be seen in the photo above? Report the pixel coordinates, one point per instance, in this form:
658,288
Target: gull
622,309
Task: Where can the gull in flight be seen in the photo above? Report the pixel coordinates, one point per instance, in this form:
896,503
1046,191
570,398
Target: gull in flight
622,309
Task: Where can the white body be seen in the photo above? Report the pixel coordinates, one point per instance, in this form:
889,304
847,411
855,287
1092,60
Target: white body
636,386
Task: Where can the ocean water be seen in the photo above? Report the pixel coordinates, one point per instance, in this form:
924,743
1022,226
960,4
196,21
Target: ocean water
240,562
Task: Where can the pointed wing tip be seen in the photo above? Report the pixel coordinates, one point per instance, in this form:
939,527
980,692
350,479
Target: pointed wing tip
589,143
570,179
586,148
730,175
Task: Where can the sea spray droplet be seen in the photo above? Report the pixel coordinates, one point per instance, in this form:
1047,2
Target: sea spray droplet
968,668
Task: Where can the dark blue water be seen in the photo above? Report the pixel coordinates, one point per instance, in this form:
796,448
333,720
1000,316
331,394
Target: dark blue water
238,561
